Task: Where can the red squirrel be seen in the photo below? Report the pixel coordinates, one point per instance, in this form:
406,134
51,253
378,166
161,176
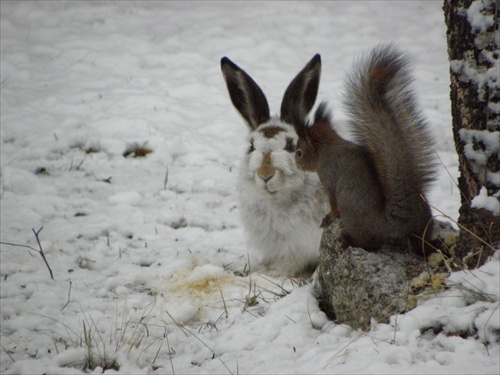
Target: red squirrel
375,185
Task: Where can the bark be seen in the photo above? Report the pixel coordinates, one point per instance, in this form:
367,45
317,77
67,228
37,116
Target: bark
473,41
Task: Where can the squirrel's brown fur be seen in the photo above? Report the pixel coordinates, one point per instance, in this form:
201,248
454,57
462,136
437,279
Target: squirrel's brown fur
377,184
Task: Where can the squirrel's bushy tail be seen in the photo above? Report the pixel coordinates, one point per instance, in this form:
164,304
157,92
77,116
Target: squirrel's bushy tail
385,119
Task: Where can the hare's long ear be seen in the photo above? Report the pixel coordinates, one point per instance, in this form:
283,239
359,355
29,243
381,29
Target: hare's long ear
301,93
246,95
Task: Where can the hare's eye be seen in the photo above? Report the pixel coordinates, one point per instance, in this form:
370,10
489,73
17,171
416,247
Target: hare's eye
290,147
251,148
298,154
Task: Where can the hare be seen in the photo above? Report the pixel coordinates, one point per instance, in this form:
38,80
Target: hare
281,206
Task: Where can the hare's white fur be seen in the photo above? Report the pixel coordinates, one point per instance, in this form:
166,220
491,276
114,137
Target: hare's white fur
281,207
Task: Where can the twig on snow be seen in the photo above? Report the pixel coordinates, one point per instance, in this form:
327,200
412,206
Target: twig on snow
69,295
39,250
6,351
18,245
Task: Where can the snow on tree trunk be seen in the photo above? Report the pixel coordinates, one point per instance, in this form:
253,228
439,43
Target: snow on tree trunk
473,48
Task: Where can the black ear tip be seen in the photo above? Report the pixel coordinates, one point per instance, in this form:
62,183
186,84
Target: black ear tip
226,62
316,60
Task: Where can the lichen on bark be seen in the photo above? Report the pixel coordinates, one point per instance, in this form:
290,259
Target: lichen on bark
358,286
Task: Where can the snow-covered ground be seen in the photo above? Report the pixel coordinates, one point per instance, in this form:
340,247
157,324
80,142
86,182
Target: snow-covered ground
146,252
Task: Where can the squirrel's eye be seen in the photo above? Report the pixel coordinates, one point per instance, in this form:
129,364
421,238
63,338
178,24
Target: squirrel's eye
290,147
298,154
251,148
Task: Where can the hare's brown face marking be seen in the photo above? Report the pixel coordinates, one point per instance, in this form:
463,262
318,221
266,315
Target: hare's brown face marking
266,170
271,131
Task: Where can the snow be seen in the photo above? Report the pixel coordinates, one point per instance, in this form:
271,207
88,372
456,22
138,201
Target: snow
148,254
481,146
482,200
476,17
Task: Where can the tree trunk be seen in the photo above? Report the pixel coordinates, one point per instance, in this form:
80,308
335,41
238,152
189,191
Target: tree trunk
473,49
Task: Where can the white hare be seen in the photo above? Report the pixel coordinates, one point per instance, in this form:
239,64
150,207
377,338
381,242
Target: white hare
281,206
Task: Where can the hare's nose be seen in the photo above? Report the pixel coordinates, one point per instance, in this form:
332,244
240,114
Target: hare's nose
266,176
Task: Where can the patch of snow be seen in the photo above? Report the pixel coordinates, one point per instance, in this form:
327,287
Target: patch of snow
476,17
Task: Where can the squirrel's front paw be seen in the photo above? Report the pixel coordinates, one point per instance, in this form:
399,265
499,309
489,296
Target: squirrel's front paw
327,220
330,217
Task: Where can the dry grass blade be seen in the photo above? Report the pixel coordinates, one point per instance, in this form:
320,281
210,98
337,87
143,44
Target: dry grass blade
224,302
187,332
169,349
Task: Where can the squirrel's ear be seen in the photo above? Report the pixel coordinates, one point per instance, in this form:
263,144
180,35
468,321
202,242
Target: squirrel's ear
301,93
246,95
323,113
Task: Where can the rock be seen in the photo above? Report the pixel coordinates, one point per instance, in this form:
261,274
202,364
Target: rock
358,286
